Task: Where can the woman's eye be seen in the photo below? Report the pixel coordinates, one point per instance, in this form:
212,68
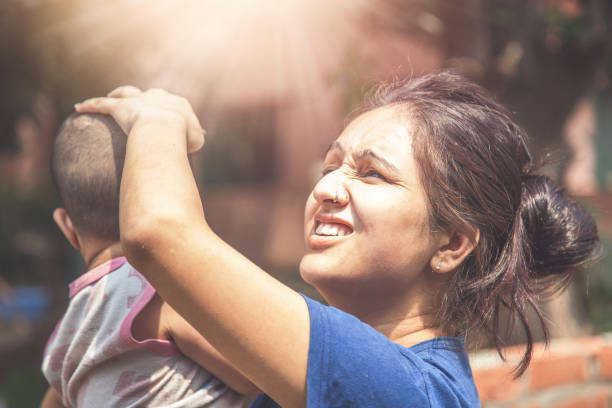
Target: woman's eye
326,171
374,173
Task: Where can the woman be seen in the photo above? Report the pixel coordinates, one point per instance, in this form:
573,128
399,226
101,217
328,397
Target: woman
427,222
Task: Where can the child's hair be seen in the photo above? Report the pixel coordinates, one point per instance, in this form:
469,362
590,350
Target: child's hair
477,172
86,165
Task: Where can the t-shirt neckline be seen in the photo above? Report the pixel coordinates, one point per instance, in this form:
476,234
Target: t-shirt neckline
444,342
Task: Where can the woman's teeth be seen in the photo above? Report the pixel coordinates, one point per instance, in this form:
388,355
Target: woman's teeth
331,230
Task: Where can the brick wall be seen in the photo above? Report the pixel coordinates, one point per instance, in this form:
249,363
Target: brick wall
570,373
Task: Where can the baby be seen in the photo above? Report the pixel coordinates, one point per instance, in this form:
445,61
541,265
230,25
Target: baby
119,343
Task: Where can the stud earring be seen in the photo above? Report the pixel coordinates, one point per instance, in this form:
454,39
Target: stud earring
438,268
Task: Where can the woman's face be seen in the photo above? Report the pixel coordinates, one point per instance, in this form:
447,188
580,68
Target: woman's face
376,236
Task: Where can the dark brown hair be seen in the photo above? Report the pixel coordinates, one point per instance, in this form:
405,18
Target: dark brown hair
477,172
86,165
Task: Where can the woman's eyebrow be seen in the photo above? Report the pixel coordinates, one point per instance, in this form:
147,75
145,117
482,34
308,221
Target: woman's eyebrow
367,153
335,145
362,154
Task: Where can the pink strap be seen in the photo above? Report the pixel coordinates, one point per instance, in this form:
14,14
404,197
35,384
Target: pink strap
159,346
95,274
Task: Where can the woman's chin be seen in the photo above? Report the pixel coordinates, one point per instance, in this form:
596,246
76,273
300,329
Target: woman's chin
308,271
320,271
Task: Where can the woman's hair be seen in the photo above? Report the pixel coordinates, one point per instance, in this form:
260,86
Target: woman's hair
477,173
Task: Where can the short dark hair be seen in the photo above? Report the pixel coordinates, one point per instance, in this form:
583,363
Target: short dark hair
86,165
477,172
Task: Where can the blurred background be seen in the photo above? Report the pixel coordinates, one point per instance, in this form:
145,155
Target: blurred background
273,83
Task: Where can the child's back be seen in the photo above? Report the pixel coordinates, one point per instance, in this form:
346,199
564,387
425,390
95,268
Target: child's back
118,343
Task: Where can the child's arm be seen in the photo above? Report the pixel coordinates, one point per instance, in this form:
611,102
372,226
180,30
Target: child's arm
159,320
52,399
259,324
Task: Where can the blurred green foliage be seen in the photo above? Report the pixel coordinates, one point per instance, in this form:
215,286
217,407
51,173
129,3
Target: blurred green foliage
243,150
599,292
23,386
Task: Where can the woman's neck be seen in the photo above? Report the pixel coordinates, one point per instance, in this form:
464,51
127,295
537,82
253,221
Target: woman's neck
407,318
409,330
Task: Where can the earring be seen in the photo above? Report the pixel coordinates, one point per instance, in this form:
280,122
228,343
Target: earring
336,197
438,268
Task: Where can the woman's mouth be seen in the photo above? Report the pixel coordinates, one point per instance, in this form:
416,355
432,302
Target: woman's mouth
332,229
327,233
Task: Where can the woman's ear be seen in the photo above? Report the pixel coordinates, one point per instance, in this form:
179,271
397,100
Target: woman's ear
454,250
63,221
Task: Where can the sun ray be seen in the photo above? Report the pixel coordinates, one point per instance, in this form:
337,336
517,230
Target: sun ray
216,50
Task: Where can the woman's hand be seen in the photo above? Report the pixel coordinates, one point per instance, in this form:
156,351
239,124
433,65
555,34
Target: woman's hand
130,106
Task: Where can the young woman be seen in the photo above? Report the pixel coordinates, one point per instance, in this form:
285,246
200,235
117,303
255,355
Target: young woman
427,222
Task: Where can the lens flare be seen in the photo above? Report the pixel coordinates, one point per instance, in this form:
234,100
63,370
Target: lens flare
216,48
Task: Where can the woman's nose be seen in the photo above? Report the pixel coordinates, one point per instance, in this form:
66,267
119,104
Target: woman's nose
331,189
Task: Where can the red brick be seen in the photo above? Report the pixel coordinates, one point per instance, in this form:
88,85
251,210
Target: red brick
496,384
604,356
601,400
554,369
579,402
588,344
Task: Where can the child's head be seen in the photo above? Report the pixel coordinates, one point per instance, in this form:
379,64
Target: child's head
86,165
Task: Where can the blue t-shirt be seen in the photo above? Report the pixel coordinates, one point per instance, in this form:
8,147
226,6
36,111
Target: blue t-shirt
352,365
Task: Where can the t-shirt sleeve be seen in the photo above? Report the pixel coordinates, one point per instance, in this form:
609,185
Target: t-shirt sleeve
352,365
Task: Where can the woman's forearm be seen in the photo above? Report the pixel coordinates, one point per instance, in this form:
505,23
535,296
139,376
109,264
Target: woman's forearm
157,184
260,325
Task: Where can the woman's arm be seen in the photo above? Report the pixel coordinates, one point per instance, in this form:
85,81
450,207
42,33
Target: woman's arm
259,324
196,347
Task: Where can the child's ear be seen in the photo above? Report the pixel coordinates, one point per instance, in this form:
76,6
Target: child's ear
63,221
452,252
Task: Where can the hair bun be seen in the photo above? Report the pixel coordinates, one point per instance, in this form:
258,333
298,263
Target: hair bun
562,235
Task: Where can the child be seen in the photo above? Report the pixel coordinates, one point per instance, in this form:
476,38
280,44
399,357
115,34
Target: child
119,343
